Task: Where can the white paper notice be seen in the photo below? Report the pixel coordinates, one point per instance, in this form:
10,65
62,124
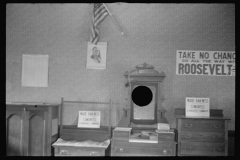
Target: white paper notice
197,107
89,119
35,70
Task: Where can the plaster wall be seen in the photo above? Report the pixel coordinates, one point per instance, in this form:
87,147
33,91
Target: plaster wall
154,33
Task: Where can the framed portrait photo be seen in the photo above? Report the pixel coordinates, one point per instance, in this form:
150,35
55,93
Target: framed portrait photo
96,55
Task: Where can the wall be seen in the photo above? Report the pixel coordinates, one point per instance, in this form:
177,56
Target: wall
154,33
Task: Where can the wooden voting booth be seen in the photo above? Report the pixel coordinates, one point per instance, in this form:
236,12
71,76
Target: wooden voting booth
76,141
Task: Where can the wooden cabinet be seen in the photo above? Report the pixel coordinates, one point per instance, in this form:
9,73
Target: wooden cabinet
31,129
139,117
121,146
202,136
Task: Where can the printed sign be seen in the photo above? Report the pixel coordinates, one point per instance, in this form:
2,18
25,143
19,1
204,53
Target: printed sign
212,63
197,107
89,119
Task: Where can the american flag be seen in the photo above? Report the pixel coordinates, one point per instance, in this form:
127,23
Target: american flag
99,14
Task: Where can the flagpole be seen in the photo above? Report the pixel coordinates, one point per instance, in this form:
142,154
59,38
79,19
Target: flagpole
119,27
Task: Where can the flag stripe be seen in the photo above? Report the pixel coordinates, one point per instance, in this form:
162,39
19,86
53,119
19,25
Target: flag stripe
99,14
100,19
102,14
99,9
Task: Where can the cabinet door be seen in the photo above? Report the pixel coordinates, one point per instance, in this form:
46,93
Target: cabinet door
14,132
36,126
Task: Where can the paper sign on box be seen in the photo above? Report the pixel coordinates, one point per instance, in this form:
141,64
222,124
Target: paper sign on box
197,107
89,119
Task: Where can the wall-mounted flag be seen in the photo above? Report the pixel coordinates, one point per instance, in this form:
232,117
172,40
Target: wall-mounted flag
99,14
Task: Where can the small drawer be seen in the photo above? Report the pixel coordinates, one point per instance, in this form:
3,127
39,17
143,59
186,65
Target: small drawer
76,151
216,137
202,125
140,151
166,136
121,134
202,149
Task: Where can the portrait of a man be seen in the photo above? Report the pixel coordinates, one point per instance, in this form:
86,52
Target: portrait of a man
96,55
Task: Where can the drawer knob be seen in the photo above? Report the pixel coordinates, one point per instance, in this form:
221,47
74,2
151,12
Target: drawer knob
121,149
188,125
64,152
164,151
217,126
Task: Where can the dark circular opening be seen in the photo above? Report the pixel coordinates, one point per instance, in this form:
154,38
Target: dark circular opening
142,96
